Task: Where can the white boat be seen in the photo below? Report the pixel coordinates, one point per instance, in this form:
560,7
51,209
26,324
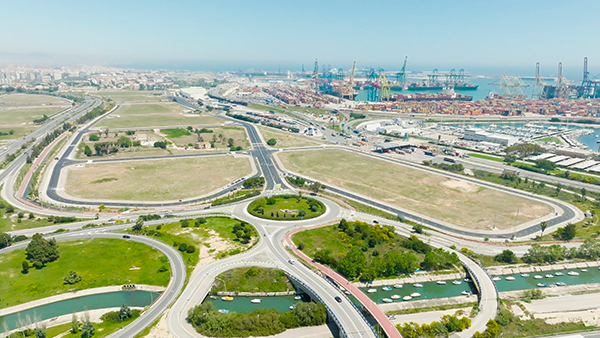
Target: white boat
387,300
467,280
395,297
441,282
541,285
407,298
223,311
214,297
510,278
538,277
561,283
415,294
549,276
398,286
417,285
552,286
573,273
524,275
559,274
372,290
583,270
227,298
292,307
297,298
466,293
386,288
347,292
496,278
255,301
457,282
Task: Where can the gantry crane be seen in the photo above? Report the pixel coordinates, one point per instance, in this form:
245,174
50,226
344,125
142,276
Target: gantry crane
385,92
538,85
401,75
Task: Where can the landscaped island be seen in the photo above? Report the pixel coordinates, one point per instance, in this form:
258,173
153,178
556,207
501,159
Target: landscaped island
286,207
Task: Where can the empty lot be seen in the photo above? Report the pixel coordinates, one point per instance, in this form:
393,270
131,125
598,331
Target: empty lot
450,200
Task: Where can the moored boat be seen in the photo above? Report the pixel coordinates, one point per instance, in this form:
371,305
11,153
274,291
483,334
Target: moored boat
466,293
538,277
255,301
415,294
441,282
559,274
386,288
510,278
387,300
372,290
573,273
407,298
541,285
227,298
524,275
297,297
223,311
549,276
398,286
495,279
457,282
395,297
417,285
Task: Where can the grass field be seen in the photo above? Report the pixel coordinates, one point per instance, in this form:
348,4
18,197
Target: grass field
552,139
457,202
133,96
238,134
156,180
100,262
156,121
15,116
17,131
31,99
252,279
286,209
286,140
9,221
149,108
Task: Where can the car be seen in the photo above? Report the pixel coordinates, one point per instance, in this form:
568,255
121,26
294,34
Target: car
338,299
375,221
291,261
126,236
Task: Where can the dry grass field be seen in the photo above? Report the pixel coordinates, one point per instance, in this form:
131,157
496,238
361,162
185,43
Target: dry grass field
286,140
238,134
130,121
133,96
149,108
31,100
454,201
155,180
16,116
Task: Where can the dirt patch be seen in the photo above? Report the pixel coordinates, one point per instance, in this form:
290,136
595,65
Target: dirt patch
460,185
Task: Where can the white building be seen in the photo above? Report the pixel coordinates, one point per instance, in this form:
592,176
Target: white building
479,135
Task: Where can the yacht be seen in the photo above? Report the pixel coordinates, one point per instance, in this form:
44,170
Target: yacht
227,298
541,285
441,282
387,300
457,282
524,275
297,298
561,283
386,288
395,297
495,279
372,290
407,298
573,273
467,280
466,293
223,311
583,270
538,277
398,286
549,275
255,301
417,285
559,274
510,278
415,294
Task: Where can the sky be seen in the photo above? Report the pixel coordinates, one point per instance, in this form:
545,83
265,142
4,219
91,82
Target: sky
483,37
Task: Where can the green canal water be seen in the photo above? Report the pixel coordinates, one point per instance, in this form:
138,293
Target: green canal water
243,305
65,307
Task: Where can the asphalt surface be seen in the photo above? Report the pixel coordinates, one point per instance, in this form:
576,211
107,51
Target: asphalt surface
178,274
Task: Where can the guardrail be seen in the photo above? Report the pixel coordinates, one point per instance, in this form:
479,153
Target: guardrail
337,321
490,277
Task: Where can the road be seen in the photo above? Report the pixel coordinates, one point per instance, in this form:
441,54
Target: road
178,275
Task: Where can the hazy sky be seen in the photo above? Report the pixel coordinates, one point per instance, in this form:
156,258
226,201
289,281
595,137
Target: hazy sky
219,35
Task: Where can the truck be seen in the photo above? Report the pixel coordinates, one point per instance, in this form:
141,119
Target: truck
449,159
429,153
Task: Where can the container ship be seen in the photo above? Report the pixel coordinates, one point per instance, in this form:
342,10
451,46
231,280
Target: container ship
431,97
440,86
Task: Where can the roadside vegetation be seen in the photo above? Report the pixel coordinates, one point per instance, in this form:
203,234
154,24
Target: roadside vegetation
252,279
445,327
261,322
358,250
286,207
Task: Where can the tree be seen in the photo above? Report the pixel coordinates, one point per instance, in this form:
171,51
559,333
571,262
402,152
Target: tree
39,332
138,225
125,313
543,225
74,324
72,278
94,138
41,251
568,232
506,256
25,266
230,142
545,164
5,240
87,329
583,193
418,228
272,142
510,158
316,187
124,142
430,262
558,189
87,151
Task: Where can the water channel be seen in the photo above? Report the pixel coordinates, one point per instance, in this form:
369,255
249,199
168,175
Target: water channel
65,307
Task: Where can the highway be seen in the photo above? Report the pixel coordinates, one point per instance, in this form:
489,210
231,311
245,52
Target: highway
178,274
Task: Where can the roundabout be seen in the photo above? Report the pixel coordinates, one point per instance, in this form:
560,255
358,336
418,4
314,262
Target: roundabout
286,207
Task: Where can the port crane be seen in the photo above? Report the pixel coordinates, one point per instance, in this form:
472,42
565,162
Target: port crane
401,75
539,84
385,92
512,86
433,77
589,88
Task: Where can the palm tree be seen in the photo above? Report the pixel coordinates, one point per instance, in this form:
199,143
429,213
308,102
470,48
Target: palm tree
543,225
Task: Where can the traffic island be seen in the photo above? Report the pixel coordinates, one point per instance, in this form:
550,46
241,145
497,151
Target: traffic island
286,208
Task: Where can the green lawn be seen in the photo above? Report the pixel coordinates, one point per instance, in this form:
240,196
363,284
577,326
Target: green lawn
552,139
9,221
486,157
323,238
286,208
174,133
100,262
17,131
252,279
130,121
103,329
219,137
149,108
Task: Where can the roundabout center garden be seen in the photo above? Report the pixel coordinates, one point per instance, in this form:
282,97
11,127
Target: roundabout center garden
286,207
